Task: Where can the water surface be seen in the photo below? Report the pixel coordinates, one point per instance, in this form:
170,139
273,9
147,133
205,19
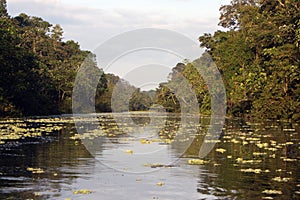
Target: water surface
43,158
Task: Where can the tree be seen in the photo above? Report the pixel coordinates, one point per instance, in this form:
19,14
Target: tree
3,8
57,33
37,68
258,56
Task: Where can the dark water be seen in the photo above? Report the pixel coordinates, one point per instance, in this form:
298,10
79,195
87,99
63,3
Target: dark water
43,158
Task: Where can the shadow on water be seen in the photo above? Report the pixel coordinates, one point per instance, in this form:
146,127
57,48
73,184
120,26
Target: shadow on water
60,160
253,161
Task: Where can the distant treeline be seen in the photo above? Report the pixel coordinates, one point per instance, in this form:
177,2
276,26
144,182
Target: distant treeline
257,54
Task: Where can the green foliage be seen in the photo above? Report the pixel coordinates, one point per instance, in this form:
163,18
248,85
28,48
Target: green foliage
258,57
120,91
257,53
38,68
3,8
185,82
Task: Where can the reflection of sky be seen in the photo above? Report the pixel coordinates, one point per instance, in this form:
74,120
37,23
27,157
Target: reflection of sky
123,175
116,157
108,184
118,175
130,153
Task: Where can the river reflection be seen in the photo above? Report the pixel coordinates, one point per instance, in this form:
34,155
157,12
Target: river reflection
43,158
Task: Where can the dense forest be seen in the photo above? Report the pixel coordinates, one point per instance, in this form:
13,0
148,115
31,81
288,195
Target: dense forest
38,69
257,52
258,55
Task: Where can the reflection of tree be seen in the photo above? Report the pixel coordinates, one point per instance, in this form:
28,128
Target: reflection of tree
56,153
197,139
224,177
60,157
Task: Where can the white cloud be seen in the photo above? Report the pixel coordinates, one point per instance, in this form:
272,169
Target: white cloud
91,26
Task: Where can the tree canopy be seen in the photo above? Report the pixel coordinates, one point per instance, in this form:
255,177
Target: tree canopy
257,53
259,56
38,69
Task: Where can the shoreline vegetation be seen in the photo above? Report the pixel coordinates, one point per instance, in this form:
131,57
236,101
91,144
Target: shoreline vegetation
257,54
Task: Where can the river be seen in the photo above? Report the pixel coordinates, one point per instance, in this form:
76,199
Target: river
133,158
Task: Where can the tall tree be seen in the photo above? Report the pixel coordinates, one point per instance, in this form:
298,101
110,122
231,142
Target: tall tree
37,68
259,56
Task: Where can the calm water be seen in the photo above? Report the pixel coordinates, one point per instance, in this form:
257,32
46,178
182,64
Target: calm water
132,158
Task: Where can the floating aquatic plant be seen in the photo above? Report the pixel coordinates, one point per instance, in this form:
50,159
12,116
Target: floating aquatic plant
128,151
279,179
35,170
160,184
220,150
197,162
272,192
82,191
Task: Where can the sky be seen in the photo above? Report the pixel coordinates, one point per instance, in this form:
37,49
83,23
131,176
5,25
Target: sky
90,22
93,22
